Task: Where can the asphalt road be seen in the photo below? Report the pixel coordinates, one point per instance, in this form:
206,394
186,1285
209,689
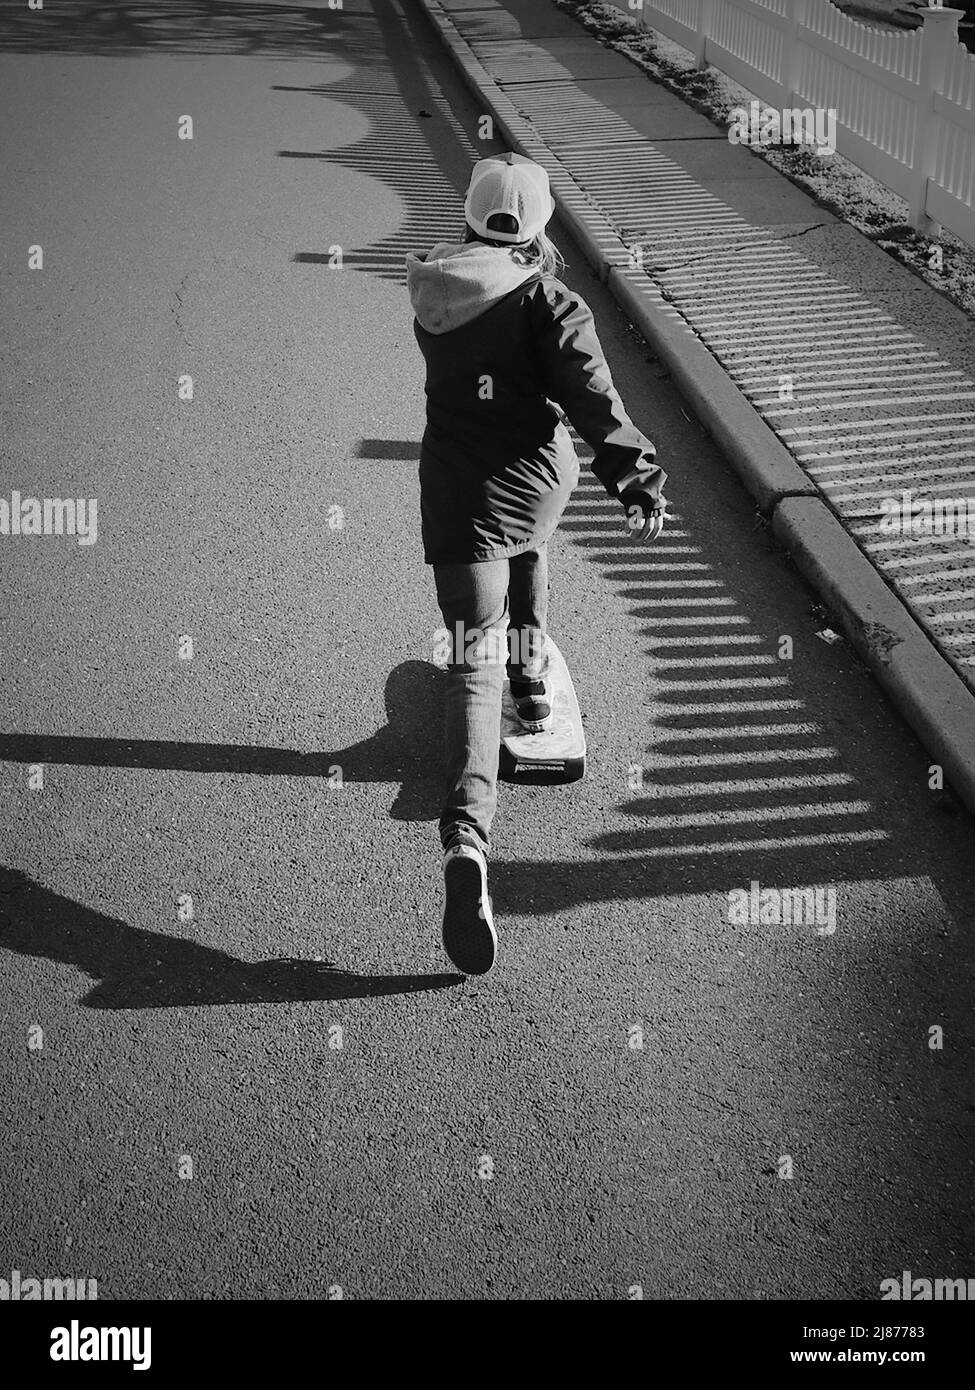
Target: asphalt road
290,1091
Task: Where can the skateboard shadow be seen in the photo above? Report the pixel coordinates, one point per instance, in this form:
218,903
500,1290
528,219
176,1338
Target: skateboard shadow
407,750
137,969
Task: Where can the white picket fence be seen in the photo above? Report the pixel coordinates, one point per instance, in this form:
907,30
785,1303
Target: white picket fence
904,100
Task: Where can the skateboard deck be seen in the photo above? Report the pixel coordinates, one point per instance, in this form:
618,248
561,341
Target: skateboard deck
559,751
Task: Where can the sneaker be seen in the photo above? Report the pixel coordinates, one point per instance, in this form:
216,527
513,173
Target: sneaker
533,703
469,937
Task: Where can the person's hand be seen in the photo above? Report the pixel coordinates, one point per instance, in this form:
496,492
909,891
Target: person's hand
645,514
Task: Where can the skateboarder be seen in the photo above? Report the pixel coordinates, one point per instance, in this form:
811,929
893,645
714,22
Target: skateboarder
503,338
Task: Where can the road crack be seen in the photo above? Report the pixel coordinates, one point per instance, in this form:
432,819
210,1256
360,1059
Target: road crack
177,308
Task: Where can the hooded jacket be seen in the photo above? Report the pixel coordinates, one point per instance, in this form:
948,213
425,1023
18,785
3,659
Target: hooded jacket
502,342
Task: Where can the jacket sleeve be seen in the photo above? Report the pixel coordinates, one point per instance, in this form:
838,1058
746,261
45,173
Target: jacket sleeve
577,377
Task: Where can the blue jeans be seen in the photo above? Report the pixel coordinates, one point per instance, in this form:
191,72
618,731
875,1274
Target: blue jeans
495,612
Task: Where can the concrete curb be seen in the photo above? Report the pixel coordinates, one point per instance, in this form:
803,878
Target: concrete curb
930,695
920,682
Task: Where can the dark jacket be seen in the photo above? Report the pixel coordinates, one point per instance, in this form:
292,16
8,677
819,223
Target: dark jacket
497,464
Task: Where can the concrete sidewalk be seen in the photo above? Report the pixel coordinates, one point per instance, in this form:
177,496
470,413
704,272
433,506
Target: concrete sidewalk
831,376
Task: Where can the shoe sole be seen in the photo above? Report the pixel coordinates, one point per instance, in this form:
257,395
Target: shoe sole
468,937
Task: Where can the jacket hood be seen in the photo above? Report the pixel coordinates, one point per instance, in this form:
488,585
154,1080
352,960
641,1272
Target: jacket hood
457,282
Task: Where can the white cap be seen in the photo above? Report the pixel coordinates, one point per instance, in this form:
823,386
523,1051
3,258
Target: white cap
511,186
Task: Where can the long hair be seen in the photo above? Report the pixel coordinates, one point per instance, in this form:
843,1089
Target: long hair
540,253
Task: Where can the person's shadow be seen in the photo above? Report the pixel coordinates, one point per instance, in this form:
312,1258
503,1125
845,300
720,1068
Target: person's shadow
138,969
407,750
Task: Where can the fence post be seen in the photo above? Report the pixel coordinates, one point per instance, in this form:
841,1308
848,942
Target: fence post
792,56
938,37
704,16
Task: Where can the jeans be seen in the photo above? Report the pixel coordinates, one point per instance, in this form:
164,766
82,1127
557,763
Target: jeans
495,612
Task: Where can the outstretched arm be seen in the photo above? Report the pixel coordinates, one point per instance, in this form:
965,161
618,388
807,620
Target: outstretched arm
577,377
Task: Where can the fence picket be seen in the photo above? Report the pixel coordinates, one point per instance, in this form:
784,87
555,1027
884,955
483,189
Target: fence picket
905,102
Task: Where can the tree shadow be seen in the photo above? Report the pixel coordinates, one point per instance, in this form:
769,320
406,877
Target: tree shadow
138,969
413,144
409,123
97,28
406,750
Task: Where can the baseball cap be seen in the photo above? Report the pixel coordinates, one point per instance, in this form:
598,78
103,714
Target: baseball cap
504,186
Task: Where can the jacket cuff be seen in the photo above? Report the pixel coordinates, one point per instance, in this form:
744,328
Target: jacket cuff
647,477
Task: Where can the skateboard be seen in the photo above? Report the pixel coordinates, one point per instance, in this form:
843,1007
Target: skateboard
558,752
